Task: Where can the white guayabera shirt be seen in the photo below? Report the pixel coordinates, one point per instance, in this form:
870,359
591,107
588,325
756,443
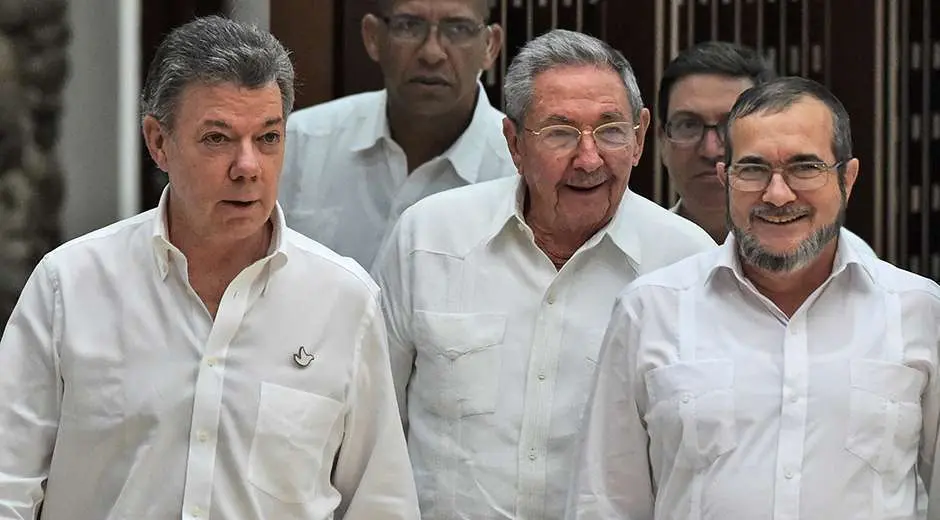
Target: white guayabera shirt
711,404
493,349
121,398
345,180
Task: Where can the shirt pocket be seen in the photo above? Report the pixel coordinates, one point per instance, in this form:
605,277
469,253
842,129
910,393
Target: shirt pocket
884,414
291,434
465,359
692,411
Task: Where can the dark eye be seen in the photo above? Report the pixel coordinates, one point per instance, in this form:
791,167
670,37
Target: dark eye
558,132
408,25
613,132
752,171
271,138
459,29
214,138
806,169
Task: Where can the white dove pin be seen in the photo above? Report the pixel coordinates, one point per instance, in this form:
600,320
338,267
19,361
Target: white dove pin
302,358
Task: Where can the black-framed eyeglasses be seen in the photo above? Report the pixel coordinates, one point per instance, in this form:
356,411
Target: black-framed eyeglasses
689,129
565,138
413,29
799,176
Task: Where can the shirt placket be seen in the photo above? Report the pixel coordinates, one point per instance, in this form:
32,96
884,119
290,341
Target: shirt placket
541,378
207,403
788,472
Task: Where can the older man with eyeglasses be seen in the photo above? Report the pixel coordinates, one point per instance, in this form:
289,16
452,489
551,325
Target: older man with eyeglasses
783,375
695,95
354,164
497,295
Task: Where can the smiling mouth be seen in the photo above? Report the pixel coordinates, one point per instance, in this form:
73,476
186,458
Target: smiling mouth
782,220
585,189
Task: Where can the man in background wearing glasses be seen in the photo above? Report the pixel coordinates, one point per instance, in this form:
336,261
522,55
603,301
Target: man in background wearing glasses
783,374
354,164
497,295
695,95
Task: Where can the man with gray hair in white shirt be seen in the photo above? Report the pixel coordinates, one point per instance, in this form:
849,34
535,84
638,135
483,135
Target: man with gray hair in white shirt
354,164
497,295
784,375
202,360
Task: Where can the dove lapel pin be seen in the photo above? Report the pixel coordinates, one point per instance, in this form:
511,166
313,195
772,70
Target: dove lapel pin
302,358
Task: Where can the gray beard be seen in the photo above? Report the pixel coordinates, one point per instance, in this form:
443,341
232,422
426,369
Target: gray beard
754,254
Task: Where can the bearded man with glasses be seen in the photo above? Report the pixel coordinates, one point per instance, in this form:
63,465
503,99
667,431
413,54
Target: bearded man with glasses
784,374
496,295
354,164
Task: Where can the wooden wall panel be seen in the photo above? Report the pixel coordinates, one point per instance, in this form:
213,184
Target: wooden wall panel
306,27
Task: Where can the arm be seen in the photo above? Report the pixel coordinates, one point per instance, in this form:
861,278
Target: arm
612,477
392,273
30,392
373,472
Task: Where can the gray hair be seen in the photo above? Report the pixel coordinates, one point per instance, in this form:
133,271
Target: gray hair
559,48
778,95
213,50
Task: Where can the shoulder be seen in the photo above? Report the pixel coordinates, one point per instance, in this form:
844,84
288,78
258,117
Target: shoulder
114,242
309,256
327,117
455,220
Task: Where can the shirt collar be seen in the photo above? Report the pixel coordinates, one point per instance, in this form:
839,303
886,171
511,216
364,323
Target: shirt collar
372,124
468,150
465,154
846,257
164,250
621,230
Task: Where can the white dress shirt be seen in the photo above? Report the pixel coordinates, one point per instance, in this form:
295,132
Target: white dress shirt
345,180
493,348
711,404
856,241
122,399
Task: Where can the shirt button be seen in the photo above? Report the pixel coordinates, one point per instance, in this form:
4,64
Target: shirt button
541,377
532,456
794,398
197,512
211,361
551,299
686,398
788,474
202,436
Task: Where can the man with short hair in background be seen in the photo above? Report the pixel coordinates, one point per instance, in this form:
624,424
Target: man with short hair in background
355,163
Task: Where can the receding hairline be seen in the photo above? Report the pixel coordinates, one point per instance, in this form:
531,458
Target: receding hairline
785,106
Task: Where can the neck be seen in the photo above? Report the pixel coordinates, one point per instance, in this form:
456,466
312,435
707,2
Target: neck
713,221
559,243
213,264
789,290
423,137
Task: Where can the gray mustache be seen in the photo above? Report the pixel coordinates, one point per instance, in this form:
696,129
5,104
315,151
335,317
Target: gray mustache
781,212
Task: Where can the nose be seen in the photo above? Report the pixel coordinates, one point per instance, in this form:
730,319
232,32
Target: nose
778,192
711,144
588,158
247,162
431,51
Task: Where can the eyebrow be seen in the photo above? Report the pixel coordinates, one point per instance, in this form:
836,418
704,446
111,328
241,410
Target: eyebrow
606,117
798,158
805,157
218,123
